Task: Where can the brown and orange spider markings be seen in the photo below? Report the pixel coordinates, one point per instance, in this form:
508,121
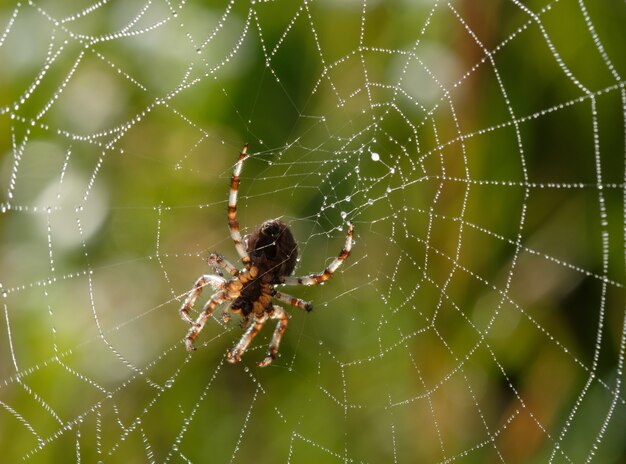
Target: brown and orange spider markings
269,255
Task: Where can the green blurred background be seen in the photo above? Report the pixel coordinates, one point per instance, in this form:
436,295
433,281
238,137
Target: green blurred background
478,147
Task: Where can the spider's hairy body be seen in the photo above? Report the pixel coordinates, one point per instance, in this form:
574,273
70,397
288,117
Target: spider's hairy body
269,255
250,295
272,249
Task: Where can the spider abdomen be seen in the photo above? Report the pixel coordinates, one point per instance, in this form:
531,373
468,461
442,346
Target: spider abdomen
272,249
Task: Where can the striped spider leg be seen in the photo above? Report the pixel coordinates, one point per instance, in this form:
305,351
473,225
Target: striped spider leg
216,282
316,279
233,223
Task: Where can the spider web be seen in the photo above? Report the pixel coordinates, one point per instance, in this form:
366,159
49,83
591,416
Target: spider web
478,149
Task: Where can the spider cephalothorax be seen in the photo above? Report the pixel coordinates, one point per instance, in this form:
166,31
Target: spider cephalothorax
269,256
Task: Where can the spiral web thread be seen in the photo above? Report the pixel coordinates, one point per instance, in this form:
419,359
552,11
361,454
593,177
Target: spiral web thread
411,351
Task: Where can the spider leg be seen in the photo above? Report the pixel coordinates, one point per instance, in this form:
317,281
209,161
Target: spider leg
214,281
226,314
234,355
198,325
315,279
233,224
283,319
217,262
293,301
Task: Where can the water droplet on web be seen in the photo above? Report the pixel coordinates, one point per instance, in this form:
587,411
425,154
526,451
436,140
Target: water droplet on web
4,294
370,202
343,215
348,198
375,156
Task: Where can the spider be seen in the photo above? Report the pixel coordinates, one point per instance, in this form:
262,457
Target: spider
269,257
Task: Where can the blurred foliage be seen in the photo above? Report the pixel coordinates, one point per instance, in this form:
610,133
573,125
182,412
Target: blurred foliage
480,317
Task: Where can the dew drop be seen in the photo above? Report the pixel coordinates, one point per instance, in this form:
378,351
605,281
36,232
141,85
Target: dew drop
375,156
343,215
